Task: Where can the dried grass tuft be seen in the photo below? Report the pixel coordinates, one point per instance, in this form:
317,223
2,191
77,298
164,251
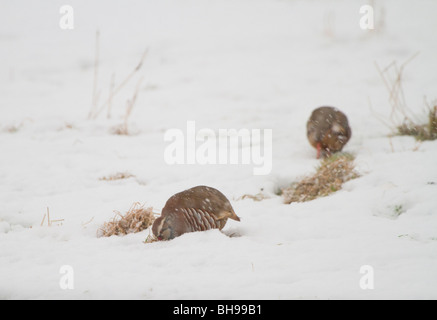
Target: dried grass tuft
329,178
150,239
117,176
257,197
12,129
402,120
421,132
135,220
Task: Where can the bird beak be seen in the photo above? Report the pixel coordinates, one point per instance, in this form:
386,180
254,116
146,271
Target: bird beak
319,150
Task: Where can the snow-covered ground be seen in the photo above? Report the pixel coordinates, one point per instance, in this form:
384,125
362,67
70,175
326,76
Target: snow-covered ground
256,64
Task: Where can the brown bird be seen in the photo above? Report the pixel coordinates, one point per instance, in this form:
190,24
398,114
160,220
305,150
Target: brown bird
197,209
328,130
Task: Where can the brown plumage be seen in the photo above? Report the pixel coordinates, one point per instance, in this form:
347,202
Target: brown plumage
328,130
197,209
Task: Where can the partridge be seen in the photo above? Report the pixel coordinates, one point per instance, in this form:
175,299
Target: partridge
328,130
197,209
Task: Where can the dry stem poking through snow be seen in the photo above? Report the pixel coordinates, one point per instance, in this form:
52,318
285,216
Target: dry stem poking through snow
113,90
329,177
50,221
403,121
135,220
123,128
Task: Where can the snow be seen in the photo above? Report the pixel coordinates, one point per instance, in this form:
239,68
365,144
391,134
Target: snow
258,64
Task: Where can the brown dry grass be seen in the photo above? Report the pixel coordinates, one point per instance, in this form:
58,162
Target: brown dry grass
117,176
421,132
257,197
402,120
150,239
329,178
50,221
135,220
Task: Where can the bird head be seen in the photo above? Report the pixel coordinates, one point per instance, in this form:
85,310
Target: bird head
337,137
162,229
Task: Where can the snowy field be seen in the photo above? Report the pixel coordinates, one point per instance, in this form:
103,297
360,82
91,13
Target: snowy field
255,64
